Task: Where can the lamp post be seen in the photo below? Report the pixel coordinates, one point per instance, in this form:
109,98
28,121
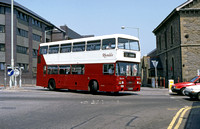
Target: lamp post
45,33
12,44
138,29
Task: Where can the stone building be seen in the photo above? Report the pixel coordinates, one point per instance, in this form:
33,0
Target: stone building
178,42
30,30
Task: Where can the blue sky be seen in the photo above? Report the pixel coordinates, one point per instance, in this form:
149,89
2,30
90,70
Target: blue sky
101,17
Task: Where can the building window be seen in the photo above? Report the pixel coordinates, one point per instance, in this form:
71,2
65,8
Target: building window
2,47
22,16
2,66
37,37
26,66
2,10
21,32
22,50
35,53
172,35
165,39
36,23
159,42
2,29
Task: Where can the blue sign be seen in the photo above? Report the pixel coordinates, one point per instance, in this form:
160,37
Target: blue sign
10,72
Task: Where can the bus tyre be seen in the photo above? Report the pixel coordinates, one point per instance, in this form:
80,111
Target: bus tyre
93,87
51,85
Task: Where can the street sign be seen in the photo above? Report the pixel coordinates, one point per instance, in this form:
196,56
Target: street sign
155,63
16,72
10,72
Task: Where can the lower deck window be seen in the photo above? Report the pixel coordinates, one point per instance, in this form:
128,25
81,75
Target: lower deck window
64,69
78,69
108,69
52,69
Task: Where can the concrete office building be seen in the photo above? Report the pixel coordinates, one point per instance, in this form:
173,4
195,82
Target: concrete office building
29,31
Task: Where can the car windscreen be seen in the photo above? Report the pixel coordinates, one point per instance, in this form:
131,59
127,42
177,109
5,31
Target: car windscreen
193,79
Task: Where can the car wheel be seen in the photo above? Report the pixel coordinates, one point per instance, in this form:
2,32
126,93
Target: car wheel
198,96
183,91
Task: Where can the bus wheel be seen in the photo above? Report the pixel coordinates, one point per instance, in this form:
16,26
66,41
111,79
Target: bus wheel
52,85
93,86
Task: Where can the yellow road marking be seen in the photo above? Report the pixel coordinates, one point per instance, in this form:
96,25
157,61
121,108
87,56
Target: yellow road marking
181,117
182,111
174,119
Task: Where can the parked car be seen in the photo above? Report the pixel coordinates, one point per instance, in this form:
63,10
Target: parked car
180,87
193,92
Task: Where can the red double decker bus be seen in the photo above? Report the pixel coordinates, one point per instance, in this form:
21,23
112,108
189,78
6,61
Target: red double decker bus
107,63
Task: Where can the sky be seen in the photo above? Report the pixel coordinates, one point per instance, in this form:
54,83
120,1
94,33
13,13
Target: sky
102,17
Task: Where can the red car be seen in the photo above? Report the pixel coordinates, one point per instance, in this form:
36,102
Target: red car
180,87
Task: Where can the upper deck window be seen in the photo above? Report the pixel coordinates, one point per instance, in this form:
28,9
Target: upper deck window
77,47
128,44
43,50
108,43
93,45
65,48
53,49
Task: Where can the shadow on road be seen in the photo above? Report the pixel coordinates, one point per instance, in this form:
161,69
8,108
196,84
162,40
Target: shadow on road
194,116
87,92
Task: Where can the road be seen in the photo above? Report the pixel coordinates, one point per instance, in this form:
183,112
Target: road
38,108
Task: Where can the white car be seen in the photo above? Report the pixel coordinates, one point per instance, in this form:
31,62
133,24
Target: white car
193,91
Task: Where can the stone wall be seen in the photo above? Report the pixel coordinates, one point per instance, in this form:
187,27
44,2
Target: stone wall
190,39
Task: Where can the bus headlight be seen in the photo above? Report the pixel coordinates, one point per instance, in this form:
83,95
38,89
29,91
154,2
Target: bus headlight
121,82
138,82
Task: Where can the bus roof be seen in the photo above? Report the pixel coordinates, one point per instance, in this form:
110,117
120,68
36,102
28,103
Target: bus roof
90,39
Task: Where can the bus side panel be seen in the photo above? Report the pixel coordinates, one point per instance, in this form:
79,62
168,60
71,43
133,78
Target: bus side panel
95,72
41,75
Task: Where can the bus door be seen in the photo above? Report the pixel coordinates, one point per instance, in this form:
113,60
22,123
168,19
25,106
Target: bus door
64,76
77,77
44,80
108,77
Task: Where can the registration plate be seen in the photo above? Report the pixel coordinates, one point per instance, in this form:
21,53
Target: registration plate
130,88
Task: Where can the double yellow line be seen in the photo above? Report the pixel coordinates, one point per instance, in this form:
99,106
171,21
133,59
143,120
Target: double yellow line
180,114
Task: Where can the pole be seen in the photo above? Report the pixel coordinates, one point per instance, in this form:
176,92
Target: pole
45,36
20,77
155,64
156,77
138,30
12,44
5,70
